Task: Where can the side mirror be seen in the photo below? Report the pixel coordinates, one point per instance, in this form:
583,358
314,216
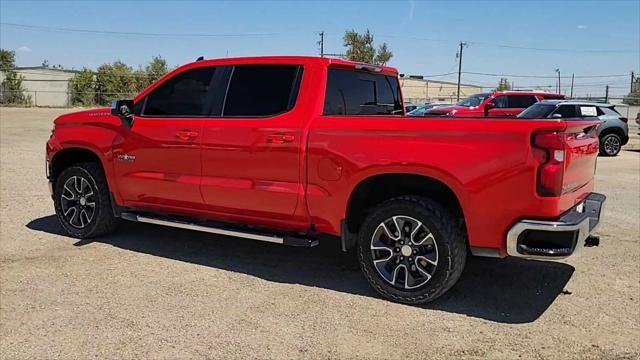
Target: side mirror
556,116
124,110
489,106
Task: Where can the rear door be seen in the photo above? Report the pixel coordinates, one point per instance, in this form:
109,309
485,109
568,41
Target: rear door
251,151
158,161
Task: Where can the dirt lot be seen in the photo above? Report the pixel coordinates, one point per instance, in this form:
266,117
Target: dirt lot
155,292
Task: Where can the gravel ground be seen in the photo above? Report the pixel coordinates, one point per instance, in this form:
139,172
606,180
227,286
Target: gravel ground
154,292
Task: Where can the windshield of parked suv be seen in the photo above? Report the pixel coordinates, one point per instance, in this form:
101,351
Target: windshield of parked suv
420,110
473,100
537,111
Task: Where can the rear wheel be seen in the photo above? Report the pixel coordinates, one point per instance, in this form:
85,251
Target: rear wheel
411,249
82,201
610,145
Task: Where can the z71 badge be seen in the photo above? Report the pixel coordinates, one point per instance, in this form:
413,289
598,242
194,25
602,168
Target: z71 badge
127,157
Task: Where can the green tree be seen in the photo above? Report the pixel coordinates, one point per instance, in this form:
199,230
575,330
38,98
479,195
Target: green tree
11,89
82,87
360,48
155,69
114,81
503,85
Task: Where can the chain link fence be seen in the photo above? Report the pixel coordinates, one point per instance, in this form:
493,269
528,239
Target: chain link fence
51,98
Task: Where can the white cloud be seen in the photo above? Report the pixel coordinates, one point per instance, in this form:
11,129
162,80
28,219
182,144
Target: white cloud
412,8
581,27
24,49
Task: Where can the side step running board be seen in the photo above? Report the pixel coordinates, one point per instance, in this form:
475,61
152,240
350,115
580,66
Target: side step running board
278,239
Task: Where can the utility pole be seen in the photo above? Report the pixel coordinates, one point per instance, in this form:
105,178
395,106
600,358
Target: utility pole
606,94
559,87
632,80
321,43
462,45
571,96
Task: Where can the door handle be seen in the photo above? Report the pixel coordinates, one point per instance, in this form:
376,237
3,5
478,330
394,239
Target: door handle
186,134
280,138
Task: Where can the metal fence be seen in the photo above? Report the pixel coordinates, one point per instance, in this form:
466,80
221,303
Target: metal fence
51,98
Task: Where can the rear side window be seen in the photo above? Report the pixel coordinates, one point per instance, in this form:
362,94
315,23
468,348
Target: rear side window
537,111
521,101
361,93
183,95
609,111
566,111
262,90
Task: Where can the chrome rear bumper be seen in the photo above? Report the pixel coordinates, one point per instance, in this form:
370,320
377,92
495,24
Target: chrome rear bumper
553,240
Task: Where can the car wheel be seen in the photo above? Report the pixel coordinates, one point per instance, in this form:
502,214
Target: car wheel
411,249
82,201
610,145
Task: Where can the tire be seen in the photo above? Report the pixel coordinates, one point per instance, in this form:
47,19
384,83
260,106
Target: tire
439,246
76,189
610,145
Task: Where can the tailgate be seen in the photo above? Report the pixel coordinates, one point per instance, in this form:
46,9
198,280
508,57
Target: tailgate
581,152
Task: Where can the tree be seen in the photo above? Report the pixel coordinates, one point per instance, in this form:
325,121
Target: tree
82,87
155,69
503,85
114,81
11,89
360,48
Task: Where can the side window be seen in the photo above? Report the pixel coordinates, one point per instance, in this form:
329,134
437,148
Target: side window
500,102
521,101
587,111
262,90
352,92
185,94
566,111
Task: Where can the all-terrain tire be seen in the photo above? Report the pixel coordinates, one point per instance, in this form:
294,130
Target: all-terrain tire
102,220
450,240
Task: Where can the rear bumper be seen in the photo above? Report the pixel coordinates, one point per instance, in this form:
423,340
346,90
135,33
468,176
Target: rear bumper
553,240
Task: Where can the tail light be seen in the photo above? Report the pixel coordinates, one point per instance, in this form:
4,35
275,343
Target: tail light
549,151
622,118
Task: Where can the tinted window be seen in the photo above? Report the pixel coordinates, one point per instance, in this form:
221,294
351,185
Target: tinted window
360,93
609,111
566,111
537,111
261,90
473,100
500,102
521,101
183,95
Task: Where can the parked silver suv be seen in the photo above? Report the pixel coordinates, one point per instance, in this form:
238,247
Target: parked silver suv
613,132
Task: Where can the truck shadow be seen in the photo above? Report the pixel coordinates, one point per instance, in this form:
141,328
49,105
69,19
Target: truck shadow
501,290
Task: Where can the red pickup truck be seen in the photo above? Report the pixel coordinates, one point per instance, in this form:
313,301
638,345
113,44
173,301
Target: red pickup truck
294,150
496,104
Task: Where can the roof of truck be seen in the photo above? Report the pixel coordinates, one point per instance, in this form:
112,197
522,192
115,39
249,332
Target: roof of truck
283,59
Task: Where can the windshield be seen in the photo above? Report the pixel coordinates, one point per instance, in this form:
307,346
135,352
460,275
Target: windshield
420,110
537,111
473,100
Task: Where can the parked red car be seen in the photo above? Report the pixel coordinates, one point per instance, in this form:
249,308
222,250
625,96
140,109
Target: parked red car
293,150
495,104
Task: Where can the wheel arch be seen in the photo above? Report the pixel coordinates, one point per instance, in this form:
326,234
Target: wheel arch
614,130
381,187
69,156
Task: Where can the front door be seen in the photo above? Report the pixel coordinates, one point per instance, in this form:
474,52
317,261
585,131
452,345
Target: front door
158,163
251,154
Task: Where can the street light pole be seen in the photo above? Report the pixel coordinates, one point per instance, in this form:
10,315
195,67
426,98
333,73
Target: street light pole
558,71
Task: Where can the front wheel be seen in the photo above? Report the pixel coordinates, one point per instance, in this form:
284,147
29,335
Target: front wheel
82,201
411,249
610,145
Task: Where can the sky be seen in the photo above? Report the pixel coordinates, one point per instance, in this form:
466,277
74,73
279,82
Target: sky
586,38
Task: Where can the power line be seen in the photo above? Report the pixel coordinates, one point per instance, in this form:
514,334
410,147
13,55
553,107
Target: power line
544,76
128,33
515,47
